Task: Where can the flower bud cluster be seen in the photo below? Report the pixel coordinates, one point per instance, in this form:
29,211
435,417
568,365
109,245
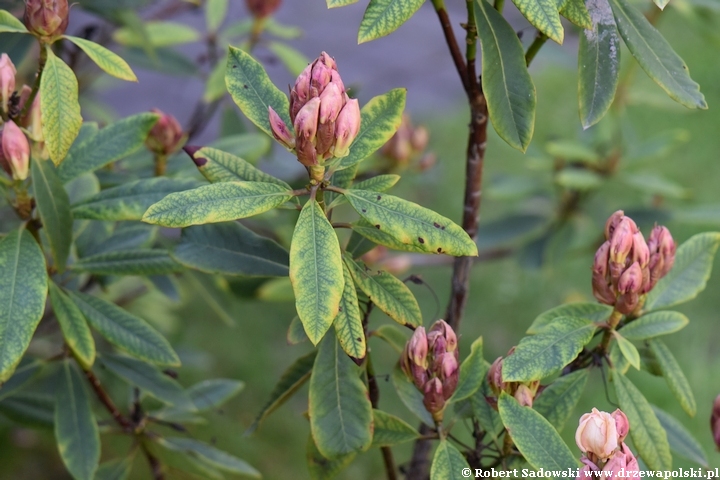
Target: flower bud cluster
408,143
430,360
601,436
325,120
262,8
166,136
524,392
14,151
715,422
626,267
48,19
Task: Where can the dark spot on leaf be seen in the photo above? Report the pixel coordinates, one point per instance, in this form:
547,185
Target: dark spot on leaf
437,225
379,197
191,149
421,240
199,161
377,226
364,211
443,228
245,87
235,66
358,339
339,309
439,250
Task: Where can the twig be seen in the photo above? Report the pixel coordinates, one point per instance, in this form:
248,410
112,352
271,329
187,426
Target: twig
451,41
535,47
107,402
36,85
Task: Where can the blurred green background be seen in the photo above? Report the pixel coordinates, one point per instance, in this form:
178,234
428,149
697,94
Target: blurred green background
506,294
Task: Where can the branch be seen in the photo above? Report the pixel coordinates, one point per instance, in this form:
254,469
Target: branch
107,402
451,41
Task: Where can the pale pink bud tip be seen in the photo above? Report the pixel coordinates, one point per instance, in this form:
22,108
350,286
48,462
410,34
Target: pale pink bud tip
347,127
15,150
7,80
597,434
166,136
280,131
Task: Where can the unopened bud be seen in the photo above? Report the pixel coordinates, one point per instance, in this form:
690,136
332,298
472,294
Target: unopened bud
262,8
417,348
495,376
419,139
331,102
306,122
15,151
715,422
597,434
433,398
524,395
46,18
622,424
7,80
662,253
446,333
347,127
166,136
631,279
621,244
280,131
449,374
640,250
612,223
621,465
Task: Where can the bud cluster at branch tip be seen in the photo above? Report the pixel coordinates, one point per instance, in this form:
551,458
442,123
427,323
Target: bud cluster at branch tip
324,118
626,267
408,143
166,136
47,19
15,151
524,392
262,8
431,361
601,438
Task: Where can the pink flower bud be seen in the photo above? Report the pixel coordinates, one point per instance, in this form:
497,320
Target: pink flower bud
419,139
447,333
262,8
495,376
662,253
327,60
347,126
306,153
417,347
602,290
597,434
715,422
621,465
588,466
280,131
300,93
335,78
46,18
600,266
621,244
166,136
524,395
622,425
306,121
631,279
331,102
433,398
321,75
449,372
15,150
612,223
7,80
640,250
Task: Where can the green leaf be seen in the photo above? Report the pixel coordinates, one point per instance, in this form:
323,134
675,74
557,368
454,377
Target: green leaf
118,469
215,88
576,179
558,401
54,208
410,396
219,202
253,91
379,183
61,119
534,436
486,415
687,278
348,323
628,350
593,312
599,66
219,166
653,184
215,12
387,292
104,58
74,326
149,379
681,440
230,249
654,324
292,379
112,143
543,15
23,289
556,345
76,430
250,146
214,293
30,408
210,455
212,393
141,261
296,332
294,60
383,17
381,117
674,376
159,34
320,468
448,463
392,335
316,271
8,23
339,3
411,224
656,56
472,372
577,13
618,360
125,330
129,201
647,434
367,236
340,410
506,82
24,373
389,430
